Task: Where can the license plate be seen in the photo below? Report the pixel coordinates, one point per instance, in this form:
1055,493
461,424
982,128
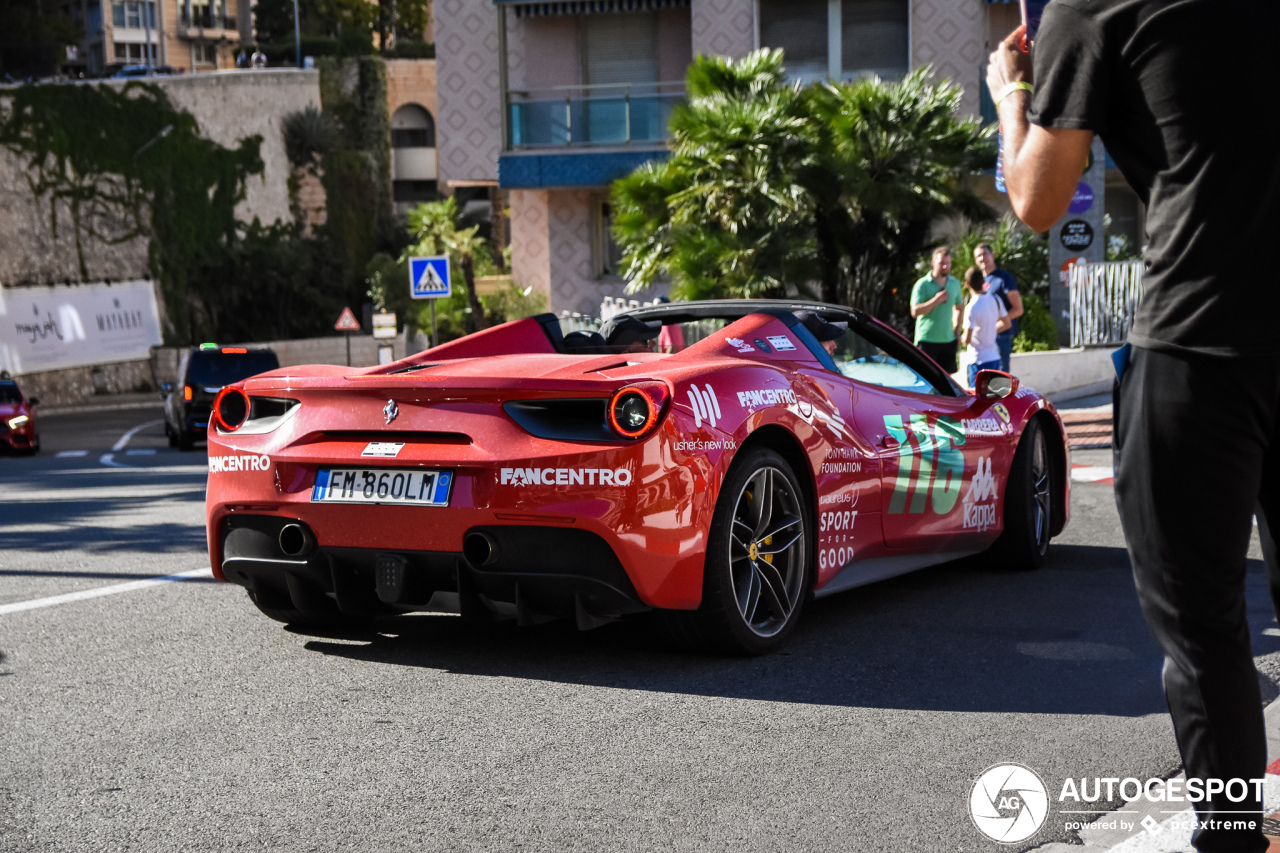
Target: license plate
382,486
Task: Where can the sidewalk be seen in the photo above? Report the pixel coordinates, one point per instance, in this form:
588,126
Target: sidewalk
1155,831
106,403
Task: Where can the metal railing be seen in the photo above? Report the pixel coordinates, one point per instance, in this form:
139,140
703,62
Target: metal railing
1104,301
204,18
605,114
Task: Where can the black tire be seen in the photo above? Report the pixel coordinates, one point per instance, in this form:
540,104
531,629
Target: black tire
185,441
751,603
1028,504
168,433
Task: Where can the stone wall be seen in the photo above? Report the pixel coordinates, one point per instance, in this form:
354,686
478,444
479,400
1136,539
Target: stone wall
228,106
80,384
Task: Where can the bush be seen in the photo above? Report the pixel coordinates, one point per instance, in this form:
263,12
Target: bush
1036,332
413,49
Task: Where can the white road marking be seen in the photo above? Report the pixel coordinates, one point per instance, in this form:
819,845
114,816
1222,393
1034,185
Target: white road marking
128,436
1091,473
98,592
109,459
67,454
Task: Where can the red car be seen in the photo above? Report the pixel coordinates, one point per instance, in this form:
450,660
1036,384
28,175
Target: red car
528,474
17,417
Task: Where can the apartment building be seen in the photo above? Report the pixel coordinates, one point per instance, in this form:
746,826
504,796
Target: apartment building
189,35
549,102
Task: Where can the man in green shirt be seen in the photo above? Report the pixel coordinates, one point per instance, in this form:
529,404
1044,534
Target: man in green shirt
937,303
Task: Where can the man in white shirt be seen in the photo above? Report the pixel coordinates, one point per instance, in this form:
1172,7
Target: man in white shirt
985,317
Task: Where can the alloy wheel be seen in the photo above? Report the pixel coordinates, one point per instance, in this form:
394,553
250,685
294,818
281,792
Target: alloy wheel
767,552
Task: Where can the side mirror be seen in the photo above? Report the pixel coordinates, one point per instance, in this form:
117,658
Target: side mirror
994,385
33,401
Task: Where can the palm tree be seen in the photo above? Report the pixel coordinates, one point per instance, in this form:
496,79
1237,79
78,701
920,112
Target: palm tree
771,188
435,227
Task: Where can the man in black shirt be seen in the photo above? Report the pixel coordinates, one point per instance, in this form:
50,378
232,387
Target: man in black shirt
1198,406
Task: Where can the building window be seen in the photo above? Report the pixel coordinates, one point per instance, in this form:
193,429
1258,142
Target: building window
414,191
799,27
844,39
130,15
606,255
133,52
874,38
206,53
412,127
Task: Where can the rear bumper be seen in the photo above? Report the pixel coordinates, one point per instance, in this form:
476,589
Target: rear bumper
532,574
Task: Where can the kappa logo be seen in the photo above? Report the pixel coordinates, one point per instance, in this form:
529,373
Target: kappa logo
739,343
704,404
978,514
564,477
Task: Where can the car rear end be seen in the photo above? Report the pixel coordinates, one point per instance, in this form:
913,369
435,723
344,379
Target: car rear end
211,368
479,492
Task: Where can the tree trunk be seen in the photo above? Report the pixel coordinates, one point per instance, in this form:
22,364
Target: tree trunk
828,258
476,319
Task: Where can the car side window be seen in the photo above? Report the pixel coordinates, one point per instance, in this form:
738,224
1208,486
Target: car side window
885,364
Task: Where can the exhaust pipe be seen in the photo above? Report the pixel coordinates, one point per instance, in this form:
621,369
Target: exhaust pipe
296,540
480,549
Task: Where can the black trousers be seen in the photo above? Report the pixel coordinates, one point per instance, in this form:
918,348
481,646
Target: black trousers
1197,452
944,354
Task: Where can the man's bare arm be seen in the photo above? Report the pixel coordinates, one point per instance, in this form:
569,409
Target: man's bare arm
1015,304
919,309
1042,166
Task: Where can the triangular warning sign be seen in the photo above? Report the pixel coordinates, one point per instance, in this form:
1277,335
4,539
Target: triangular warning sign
347,322
430,281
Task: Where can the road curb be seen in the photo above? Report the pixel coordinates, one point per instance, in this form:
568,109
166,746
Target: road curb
113,405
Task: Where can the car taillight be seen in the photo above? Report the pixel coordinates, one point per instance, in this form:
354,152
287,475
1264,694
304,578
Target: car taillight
230,409
186,392
634,411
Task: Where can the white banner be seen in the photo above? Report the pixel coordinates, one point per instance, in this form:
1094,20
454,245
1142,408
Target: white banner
48,328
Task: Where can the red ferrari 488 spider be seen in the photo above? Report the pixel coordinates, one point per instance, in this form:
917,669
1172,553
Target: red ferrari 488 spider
524,473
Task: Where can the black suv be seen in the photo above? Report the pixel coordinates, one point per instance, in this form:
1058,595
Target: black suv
202,373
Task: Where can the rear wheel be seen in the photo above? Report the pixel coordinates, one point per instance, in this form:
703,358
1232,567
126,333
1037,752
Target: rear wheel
1028,504
757,564
185,440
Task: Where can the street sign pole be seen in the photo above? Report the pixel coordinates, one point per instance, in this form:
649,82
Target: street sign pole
429,279
347,324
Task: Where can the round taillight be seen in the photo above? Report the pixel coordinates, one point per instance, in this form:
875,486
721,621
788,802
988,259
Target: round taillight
231,409
634,411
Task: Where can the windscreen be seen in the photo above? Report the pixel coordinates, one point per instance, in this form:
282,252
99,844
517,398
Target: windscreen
9,393
215,369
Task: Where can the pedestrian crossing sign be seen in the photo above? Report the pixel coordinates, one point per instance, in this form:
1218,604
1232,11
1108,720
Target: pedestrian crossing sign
429,277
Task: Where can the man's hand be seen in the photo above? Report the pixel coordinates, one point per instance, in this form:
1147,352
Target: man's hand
1042,166
922,308
1008,64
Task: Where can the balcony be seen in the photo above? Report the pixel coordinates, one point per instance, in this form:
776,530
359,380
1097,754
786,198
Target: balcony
606,114
203,19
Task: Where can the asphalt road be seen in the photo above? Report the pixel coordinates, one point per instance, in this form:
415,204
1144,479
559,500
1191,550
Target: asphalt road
176,717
